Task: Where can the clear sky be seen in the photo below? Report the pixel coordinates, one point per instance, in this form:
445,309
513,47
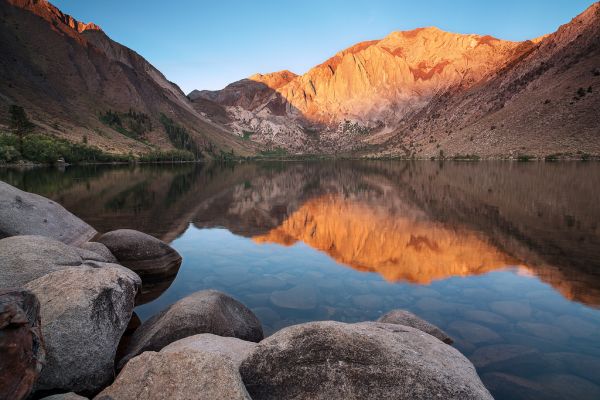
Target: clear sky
206,44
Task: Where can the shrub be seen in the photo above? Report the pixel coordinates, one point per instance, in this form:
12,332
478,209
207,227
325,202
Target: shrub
524,157
179,136
19,122
168,155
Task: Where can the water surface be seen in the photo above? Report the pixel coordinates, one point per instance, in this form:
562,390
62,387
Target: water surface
503,256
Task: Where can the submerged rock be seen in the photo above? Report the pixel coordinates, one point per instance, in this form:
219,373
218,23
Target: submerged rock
177,375
234,349
406,318
21,344
25,258
151,258
23,213
206,311
333,360
301,297
84,312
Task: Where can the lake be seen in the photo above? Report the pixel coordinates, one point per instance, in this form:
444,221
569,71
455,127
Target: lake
505,257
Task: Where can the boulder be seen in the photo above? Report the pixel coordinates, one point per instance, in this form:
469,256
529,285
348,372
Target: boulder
21,345
333,360
406,318
99,249
84,312
65,396
150,258
234,349
206,311
23,213
25,258
194,375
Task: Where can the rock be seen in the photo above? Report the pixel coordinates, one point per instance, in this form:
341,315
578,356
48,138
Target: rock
506,386
21,343
484,356
301,297
206,311
333,360
406,318
234,349
23,213
84,312
566,386
65,396
150,258
99,249
473,332
576,326
512,309
485,316
544,331
368,301
167,375
25,258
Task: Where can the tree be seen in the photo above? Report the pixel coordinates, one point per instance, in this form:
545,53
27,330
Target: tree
18,120
19,123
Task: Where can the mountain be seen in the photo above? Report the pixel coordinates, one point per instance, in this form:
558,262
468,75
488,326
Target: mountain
72,80
427,92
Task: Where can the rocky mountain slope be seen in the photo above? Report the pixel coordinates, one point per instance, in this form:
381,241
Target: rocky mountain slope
67,75
427,93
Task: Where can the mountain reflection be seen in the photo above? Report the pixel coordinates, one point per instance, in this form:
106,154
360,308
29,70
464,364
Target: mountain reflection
370,237
412,221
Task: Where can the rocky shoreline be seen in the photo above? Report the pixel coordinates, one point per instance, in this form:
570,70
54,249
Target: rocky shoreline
67,296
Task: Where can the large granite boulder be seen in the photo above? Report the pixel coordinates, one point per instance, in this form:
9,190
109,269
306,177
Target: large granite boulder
234,349
65,396
23,213
84,312
206,311
177,375
406,318
150,258
25,258
101,250
333,360
22,351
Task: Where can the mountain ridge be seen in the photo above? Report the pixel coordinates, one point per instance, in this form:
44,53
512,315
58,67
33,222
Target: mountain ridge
386,97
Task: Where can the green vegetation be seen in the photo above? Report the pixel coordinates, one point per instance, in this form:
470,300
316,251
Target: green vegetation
179,136
524,157
274,152
132,124
19,122
246,135
48,149
167,156
466,157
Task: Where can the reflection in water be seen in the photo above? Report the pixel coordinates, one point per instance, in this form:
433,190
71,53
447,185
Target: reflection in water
399,244
473,247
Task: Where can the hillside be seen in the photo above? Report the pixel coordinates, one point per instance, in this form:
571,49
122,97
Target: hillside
427,93
72,80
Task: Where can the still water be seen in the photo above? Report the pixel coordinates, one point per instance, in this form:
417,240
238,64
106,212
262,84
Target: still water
505,257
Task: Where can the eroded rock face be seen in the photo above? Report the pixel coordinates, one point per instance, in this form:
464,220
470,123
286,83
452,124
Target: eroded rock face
150,258
84,312
234,349
23,213
406,318
334,360
194,375
25,258
206,311
21,344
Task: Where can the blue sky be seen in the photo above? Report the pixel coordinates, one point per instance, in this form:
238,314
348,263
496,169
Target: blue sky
208,44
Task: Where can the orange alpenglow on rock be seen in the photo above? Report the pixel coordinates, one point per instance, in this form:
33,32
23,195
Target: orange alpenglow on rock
396,73
402,247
